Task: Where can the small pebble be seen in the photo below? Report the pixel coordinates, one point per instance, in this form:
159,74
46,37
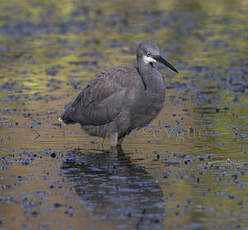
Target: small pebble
57,205
53,155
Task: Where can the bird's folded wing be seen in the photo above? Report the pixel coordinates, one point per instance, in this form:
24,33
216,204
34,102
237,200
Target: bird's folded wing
100,101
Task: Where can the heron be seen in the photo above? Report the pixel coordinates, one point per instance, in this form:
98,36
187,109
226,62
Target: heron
122,98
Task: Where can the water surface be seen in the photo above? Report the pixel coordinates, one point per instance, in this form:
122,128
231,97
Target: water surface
186,170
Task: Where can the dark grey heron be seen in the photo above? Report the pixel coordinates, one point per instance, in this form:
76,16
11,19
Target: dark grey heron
120,99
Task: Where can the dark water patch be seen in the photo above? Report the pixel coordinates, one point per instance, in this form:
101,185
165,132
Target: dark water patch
83,63
201,69
77,85
176,85
10,98
53,71
8,85
171,163
114,43
95,55
14,86
44,97
53,84
54,125
34,97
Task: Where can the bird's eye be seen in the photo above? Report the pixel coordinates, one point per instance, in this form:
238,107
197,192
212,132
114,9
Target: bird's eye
148,54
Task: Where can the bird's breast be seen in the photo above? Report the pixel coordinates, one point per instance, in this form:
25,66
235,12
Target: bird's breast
147,104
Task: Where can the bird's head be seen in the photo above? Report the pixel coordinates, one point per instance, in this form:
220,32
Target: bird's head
149,53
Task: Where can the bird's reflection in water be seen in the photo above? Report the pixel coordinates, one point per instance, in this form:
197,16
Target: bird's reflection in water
115,189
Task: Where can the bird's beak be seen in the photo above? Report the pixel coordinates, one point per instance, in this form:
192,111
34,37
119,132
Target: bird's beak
163,61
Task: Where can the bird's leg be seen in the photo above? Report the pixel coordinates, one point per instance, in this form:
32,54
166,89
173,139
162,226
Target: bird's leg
113,140
103,143
120,141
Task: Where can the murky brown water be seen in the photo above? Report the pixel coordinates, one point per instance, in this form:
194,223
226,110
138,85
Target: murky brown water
186,170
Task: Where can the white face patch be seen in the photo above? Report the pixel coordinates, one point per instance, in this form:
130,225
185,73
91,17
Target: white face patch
148,60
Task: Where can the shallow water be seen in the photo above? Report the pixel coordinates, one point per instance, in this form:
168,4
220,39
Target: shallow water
187,170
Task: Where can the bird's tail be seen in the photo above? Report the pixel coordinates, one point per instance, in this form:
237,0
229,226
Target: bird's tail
67,115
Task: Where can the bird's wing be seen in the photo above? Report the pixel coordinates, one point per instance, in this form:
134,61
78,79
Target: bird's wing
103,98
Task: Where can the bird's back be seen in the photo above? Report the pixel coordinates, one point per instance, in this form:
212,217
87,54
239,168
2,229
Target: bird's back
104,97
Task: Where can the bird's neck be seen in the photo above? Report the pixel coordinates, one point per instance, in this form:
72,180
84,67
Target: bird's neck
150,76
